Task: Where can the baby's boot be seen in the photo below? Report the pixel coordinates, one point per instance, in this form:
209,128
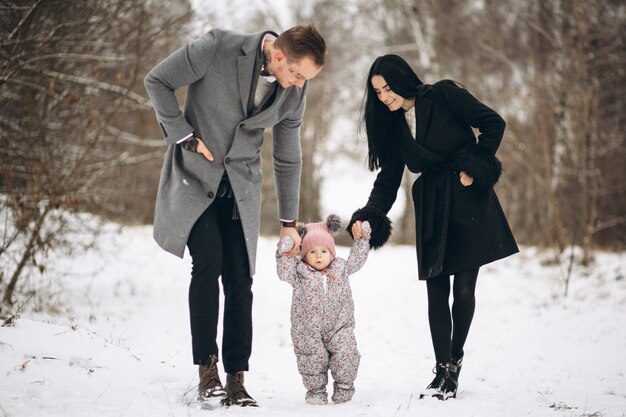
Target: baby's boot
342,392
316,397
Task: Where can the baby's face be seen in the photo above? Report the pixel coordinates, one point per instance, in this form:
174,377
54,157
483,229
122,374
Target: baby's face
318,257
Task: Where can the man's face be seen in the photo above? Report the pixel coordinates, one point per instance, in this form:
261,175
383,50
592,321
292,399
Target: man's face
293,73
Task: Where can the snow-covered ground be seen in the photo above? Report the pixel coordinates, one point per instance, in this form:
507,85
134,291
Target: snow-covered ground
125,350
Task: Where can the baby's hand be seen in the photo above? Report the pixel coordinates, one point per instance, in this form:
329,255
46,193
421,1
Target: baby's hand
285,244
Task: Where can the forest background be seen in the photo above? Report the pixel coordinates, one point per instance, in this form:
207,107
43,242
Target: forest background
78,133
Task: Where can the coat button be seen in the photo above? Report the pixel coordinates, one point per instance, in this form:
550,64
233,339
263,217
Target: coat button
210,194
227,160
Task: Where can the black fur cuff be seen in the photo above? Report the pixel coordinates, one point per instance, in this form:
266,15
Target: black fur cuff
480,164
380,224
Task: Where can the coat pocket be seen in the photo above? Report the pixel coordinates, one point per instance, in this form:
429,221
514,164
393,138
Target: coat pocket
254,168
466,202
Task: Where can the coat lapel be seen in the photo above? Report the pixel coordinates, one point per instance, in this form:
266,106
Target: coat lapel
423,157
258,118
245,66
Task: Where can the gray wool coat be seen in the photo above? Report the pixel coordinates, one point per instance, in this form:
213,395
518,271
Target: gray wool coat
218,69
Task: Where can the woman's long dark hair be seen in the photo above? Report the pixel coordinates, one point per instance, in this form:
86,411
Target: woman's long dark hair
376,116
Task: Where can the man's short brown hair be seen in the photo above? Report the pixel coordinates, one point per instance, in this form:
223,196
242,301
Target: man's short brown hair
302,41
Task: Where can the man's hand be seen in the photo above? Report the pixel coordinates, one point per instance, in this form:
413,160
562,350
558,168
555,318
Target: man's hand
293,233
204,150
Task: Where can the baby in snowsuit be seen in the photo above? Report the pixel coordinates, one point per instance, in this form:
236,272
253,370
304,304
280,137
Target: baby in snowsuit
322,309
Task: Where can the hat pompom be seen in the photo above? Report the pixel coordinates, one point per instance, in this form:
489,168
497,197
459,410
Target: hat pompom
301,229
333,222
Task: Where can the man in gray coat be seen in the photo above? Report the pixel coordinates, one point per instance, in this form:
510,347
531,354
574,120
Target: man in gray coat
209,196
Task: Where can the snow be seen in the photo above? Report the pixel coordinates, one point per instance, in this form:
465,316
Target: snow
125,349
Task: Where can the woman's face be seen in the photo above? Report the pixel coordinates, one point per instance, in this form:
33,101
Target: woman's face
384,93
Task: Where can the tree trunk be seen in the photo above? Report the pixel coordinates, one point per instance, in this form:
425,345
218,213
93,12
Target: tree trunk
27,254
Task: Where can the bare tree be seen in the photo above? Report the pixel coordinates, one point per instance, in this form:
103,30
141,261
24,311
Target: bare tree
67,73
565,63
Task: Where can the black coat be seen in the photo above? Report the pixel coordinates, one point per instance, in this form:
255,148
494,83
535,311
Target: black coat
457,228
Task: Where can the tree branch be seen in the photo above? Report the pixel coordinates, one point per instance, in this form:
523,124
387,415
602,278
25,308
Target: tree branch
81,80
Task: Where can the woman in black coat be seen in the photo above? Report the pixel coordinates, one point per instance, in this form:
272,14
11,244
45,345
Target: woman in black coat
460,225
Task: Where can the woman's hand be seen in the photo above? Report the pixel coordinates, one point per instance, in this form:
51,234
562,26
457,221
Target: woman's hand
357,231
466,180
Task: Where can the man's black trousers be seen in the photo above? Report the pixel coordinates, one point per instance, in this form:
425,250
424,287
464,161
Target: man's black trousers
218,248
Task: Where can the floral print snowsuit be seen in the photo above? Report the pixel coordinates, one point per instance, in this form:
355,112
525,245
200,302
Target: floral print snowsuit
322,316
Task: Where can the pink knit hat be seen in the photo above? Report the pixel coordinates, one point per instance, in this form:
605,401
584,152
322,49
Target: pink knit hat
320,234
